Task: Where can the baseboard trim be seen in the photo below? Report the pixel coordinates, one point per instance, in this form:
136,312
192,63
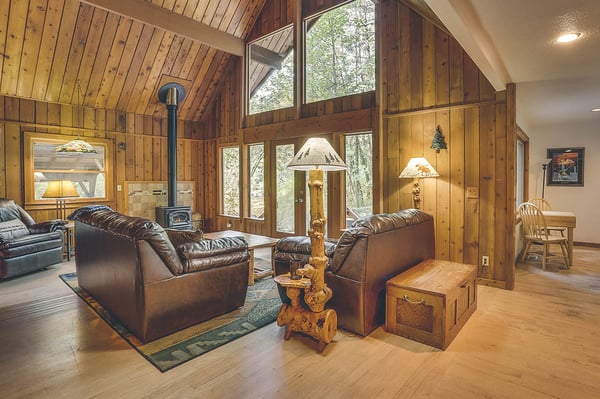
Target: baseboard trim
491,283
586,244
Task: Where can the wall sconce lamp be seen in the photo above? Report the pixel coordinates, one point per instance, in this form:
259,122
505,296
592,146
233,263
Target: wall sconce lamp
60,189
416,169
122,145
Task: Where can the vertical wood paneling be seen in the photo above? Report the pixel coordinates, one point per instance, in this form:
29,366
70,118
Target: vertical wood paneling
501,187
428,64
416,60
442,78
4,12
456,144
13,46
31,45
487,189
441,186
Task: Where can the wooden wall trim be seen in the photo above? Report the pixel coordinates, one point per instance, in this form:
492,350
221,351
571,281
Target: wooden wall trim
441,108
352,121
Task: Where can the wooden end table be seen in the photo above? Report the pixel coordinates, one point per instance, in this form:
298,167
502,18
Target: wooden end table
254,241
322,326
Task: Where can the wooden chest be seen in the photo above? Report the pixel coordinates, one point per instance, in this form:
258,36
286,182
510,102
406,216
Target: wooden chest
430,302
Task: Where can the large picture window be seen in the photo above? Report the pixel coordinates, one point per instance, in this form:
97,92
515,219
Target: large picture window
89,173
340,51
230,181
271,72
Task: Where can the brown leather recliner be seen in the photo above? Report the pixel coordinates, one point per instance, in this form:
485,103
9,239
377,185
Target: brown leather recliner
129,265
27,246
374,249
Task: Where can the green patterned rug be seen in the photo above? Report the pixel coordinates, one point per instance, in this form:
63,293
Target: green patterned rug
261,308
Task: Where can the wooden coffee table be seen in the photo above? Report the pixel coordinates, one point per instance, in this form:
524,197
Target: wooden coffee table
254,241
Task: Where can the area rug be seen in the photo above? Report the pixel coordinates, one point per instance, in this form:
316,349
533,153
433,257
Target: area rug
261,308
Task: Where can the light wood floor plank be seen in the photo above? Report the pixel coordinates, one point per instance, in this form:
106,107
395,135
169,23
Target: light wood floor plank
541,340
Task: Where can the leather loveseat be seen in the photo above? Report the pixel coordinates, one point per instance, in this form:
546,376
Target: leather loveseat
25,245
374,249
131,267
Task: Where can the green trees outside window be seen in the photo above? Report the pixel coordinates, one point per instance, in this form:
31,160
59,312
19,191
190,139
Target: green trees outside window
230,181
256,175
340,51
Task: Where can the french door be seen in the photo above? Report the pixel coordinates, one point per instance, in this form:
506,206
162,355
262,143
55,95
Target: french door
289,195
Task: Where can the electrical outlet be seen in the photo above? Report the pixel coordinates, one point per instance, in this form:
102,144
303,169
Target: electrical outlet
485,260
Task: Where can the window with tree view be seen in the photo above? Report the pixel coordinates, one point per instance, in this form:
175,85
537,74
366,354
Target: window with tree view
359,176
340,51
230,181
256,174
271,72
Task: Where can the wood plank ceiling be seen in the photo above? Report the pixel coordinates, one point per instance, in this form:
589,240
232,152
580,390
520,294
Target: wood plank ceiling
48,46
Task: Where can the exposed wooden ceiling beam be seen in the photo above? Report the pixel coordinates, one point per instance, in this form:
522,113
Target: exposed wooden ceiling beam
265,56
159,17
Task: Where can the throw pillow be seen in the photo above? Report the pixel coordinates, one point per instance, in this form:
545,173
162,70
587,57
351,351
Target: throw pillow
179,237
12,229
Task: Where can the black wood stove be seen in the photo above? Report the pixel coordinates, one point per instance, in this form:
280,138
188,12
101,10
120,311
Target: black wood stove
173,216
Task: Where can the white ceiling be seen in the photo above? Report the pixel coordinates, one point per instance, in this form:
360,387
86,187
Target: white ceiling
513,41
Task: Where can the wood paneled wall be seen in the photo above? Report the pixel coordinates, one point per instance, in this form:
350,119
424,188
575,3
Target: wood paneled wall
429,81
144,158
426,80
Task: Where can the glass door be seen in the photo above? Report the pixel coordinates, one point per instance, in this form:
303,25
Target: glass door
289,195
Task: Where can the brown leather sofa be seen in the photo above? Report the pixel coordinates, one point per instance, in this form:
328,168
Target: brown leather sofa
130,266
374,249
27,246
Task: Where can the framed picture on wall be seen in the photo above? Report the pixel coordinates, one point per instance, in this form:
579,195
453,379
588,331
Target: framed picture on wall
566,166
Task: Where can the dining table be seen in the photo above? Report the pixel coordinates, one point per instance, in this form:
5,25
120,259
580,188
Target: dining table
563,219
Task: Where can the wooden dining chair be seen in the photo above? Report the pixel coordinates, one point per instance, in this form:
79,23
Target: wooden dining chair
544,205
536,232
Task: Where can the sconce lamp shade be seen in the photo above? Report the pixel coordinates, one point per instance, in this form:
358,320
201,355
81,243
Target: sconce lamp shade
418,168
60,189
317,153
76,146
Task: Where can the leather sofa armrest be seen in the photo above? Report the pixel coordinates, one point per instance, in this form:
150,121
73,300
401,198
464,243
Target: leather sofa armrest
47,227
208,248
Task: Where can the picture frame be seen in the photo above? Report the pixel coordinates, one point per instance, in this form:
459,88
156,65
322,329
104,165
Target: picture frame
566,166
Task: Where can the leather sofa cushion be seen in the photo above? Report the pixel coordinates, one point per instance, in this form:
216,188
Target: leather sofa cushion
210,254
179,237
30,244
12,229
209,248
216,261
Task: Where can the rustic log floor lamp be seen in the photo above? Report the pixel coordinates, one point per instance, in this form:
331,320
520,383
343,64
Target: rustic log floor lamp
316,156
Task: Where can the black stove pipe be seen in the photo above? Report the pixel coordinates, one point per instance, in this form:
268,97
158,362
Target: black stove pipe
171,94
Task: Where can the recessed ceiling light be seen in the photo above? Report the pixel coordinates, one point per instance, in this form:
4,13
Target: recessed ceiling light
596,110
569,37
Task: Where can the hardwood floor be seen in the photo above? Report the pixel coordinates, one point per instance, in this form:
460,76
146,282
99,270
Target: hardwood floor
541,340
